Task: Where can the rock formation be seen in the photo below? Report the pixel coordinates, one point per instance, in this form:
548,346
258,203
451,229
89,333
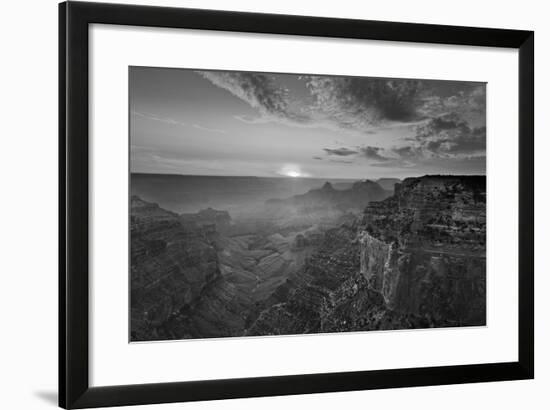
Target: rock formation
175,270
416,259
423,249
326,197
210,219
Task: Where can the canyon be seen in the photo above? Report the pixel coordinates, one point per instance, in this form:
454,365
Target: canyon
360,257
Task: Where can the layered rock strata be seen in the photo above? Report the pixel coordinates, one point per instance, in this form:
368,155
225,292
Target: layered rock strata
423,249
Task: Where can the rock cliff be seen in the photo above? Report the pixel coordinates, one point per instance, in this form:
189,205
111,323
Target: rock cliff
175,269
423,249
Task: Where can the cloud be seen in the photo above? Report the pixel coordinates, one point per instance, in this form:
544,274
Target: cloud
361,103
468,103
208,129
395,163
373,153
317,158
171,121
466,165
342,152
446,117
341,161
443,142
367,104
450,136
407,151
258,90
251,120
154,117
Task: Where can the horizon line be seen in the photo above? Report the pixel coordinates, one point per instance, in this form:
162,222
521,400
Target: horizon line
301,177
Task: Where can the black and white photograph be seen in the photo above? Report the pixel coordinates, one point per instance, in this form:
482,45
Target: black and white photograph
283,204
244,205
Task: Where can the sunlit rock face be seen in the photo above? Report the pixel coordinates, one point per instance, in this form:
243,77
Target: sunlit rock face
423,249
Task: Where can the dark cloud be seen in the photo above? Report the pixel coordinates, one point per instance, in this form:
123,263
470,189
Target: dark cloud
449,136
317,158
360,103
373,153
342,152
406,151
259,90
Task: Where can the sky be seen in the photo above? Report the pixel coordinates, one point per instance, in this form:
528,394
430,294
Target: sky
195,122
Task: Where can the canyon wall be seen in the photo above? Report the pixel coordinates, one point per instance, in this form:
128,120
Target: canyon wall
424,251
177,289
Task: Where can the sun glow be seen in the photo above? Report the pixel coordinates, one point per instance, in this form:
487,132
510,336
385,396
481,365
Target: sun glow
292,171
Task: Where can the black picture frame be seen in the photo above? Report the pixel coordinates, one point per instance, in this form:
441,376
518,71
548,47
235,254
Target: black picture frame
74,387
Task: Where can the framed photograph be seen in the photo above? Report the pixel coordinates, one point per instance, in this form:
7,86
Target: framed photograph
256,204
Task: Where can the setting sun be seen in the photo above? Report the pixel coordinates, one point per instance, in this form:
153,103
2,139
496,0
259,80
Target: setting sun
292,171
